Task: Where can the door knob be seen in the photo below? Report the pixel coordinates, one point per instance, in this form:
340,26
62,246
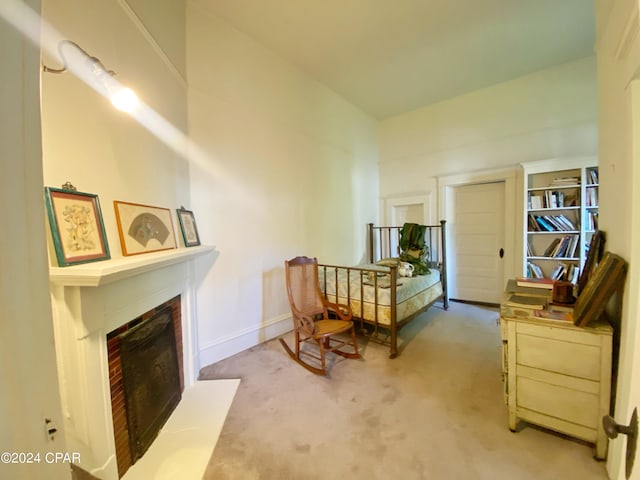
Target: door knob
612,429
501,252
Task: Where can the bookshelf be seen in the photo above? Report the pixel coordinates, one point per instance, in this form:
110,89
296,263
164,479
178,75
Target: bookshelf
560,216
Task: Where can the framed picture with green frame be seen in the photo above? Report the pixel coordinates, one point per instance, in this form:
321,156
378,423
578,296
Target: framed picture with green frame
77,229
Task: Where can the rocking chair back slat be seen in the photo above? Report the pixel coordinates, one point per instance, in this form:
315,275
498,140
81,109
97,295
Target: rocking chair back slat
303,294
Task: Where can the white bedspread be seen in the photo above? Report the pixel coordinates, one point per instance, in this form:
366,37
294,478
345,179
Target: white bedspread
411,293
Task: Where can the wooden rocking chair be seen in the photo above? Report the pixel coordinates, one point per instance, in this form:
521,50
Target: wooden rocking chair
311,319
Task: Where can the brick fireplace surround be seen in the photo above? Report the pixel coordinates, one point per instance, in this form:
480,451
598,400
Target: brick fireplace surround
91,300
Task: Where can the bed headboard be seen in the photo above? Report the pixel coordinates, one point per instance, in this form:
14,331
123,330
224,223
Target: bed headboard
384,241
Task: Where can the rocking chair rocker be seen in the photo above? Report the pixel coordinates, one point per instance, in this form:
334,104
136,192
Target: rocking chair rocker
311,319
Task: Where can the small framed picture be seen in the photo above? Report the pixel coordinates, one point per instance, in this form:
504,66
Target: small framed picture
76,226
188,227
144,228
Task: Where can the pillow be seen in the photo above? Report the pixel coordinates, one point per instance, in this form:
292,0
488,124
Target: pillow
388,262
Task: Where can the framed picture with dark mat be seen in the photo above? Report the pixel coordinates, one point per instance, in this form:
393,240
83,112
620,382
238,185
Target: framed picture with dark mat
188,227
144,228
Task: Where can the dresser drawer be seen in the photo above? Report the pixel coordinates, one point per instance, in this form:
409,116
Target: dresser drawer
561,355
580,407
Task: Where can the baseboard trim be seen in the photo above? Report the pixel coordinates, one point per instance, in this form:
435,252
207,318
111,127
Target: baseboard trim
472,302
239,341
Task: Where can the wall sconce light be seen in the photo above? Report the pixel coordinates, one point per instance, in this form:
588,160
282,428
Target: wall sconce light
121,97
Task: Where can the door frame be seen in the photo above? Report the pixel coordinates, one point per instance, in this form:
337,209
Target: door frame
512,207
425,200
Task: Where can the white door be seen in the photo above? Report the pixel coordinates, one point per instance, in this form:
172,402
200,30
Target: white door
477,242
629,366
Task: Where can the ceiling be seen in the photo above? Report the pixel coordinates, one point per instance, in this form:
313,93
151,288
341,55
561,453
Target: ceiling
392,56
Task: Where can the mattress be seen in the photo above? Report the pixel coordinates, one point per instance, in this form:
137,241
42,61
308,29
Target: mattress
355,287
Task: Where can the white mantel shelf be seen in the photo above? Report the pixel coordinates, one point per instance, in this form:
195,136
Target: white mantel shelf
101,273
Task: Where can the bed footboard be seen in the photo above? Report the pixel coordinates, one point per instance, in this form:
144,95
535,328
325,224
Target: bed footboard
342,284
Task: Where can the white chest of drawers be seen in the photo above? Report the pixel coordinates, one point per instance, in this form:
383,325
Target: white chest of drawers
557,375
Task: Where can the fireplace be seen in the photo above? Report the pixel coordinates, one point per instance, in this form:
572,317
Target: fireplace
145,377
90,302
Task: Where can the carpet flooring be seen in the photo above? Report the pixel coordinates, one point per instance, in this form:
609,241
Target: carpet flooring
435,412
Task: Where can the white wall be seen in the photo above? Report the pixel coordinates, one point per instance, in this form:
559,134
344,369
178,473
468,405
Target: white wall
618,54
285,167
91,144
551,113
28,376
547,114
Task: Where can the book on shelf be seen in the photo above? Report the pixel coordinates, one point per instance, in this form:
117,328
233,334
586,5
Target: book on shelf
544,226
525,301
535,202
535,282
552,247
561,248
568,224
559,271
535,270
565,181
572,244
554,315
572,273
554,222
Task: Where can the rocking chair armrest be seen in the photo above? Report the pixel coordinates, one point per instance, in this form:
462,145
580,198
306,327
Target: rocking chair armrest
306,322
342,310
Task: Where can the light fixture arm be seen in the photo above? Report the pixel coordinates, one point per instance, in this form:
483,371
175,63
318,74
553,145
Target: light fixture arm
95,63
122,98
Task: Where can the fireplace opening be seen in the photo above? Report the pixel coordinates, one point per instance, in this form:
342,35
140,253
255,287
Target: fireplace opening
146,379
151,378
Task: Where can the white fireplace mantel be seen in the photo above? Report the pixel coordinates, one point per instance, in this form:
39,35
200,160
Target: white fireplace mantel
89,301
101,273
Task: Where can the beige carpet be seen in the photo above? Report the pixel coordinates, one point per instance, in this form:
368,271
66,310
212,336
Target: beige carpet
435,412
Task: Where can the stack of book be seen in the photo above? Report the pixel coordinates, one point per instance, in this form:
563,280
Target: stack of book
532,298
554,315
526,301
546,283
